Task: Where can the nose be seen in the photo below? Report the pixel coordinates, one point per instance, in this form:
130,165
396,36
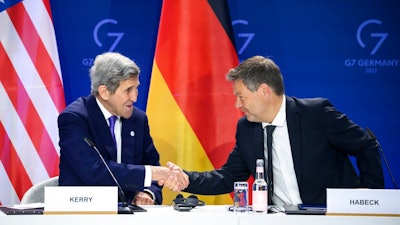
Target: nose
238,103
133,96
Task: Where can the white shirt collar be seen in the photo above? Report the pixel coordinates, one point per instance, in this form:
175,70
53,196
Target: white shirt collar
105,112
280,118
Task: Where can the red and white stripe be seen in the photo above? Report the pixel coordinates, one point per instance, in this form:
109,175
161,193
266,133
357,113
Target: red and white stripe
31,97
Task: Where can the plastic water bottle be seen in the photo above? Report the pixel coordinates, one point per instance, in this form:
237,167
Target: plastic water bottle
260,189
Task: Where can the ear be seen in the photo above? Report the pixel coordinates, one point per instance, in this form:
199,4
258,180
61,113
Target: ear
103,92
264,89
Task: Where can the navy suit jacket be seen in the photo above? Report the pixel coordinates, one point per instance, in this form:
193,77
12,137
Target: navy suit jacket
81,165
321,139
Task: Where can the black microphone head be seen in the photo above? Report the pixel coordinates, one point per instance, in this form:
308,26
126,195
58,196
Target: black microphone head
89,142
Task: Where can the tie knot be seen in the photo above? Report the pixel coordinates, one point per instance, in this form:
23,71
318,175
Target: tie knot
270,129
112,120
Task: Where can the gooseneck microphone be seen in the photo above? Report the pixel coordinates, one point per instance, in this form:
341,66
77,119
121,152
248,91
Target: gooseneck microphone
124,209
372,135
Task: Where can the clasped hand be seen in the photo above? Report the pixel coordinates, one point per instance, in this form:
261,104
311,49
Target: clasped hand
174,179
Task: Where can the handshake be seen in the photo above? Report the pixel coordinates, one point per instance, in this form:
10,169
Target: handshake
171,177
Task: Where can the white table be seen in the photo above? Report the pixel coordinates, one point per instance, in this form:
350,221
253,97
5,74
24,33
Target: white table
207,215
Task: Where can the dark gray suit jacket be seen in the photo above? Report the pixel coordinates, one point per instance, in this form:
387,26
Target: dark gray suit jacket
81,165
321,138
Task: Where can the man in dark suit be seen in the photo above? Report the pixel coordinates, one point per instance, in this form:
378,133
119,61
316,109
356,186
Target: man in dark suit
312,142
127,147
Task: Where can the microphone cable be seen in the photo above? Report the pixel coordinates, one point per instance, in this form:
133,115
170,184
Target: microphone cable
372,135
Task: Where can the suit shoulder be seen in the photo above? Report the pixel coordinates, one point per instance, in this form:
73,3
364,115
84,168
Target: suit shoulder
76,106
138,113
309,103
243,122
76,109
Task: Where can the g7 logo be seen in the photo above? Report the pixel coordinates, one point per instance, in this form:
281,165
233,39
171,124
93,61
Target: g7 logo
382,36
248,36
117,36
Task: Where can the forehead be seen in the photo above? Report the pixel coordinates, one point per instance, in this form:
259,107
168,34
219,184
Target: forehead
131,81
239,87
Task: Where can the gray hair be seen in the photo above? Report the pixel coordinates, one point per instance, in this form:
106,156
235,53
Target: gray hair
257,70
109,69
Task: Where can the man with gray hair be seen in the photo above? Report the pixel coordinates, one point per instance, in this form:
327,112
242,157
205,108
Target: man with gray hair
121,133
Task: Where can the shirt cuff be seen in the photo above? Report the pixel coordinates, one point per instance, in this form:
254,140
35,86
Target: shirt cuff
153,196
147,176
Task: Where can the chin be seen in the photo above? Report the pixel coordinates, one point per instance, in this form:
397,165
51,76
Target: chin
127,115
250,119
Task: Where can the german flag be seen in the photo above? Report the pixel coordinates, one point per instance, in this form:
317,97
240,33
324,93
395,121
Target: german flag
191,105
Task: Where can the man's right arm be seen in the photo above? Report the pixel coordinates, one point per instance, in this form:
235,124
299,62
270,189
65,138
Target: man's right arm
171,177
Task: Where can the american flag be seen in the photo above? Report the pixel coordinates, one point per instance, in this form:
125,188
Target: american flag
31,97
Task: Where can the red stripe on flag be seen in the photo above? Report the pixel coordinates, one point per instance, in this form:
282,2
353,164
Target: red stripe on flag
12,164
28,115
38,53
46,4
193,54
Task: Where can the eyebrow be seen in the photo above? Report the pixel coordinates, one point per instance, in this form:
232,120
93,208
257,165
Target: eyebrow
237,92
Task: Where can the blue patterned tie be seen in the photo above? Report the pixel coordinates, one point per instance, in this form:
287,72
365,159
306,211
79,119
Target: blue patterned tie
112,120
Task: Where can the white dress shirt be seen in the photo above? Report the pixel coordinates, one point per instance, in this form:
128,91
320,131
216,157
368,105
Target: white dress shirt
117,132
286,190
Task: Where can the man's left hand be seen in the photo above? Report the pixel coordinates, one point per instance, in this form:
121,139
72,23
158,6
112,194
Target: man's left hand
142,198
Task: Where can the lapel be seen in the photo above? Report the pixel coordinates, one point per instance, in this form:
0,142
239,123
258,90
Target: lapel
293,124
103,136
128,134
253,143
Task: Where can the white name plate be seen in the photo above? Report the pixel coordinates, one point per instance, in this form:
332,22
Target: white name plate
384,202
80,200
